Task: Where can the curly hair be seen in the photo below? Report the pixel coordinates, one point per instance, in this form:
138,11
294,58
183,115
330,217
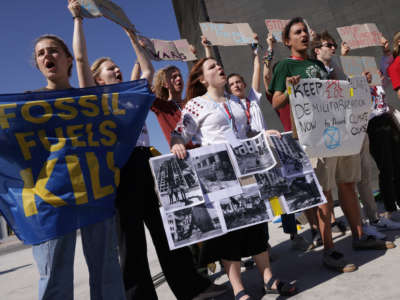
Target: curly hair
286,30
160,78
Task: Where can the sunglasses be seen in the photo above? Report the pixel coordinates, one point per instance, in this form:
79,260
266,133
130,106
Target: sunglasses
329,45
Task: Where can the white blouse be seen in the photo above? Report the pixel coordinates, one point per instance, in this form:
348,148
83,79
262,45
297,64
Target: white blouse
206,122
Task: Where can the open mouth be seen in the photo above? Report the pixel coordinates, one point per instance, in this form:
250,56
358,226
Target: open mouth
119,77
50,65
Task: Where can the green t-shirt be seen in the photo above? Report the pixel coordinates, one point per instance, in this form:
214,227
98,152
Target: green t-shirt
308,68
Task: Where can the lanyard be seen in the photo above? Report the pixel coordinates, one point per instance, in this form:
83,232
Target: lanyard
296,58
177,105
227,112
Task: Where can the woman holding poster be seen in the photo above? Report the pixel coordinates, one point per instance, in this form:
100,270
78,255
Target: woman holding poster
133,212
210,116
55,258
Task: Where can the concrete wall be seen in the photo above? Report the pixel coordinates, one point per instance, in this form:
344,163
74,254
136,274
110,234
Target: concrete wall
320,14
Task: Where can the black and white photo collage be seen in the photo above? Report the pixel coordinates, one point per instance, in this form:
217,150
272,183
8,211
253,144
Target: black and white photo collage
220,188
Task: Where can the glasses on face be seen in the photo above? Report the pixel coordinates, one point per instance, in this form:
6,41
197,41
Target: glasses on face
329,45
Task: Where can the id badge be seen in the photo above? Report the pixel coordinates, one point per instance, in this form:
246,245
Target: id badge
232,139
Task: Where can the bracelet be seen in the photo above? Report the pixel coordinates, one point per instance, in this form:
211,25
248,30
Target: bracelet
77,17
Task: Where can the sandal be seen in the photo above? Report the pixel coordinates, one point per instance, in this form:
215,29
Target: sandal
283,288
241,294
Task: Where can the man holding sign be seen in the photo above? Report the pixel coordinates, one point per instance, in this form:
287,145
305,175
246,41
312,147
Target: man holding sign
288,72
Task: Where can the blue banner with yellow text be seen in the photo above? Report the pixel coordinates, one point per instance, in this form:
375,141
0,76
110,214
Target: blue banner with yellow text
61,152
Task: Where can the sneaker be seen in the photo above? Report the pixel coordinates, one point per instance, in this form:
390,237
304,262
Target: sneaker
339,227
213,290
334,260
371,230
299,243
386,224
369,242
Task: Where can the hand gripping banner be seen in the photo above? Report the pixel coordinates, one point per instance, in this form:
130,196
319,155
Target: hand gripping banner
61,152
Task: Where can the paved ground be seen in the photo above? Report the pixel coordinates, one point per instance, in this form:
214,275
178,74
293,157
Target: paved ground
377,277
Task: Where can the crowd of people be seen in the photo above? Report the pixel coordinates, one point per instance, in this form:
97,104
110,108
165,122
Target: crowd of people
215,109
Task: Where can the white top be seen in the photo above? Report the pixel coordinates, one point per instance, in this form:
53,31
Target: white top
144,138
257,122
206,122
379,105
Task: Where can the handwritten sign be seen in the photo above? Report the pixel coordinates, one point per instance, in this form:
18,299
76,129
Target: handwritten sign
355,65
360,35
220,34
331,116
276,26
168,50
107,9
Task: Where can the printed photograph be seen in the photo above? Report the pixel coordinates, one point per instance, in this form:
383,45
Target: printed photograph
254,155
244,210
215,172
191,225
292,158
271,183
176,181
302,193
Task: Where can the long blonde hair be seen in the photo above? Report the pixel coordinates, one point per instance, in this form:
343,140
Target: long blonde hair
160,78
396,46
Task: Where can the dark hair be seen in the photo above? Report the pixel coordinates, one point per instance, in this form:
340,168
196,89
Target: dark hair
59,41
194,87
317,42
233,75
286,30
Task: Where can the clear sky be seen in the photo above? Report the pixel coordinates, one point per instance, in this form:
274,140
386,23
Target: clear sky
21,22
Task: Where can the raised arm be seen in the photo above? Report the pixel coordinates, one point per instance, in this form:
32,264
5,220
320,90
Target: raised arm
255,81
267,70
143,59
207,46
85,77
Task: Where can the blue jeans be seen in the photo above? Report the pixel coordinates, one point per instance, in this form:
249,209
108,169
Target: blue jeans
55,261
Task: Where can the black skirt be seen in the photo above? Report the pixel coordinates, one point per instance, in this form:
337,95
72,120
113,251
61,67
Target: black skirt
234,245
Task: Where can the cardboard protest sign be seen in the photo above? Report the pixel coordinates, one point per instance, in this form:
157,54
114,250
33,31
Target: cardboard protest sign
360,35
107,9
168,50
275,27
331,116
220,34
355,65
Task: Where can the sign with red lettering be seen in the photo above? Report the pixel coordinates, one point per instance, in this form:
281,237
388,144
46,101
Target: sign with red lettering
276,27
360,35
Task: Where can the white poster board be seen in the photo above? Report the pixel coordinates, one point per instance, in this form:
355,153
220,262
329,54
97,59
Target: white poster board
331,116
220,34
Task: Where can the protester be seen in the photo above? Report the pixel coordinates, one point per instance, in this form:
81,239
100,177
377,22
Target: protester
55,258
346,170
209,116
289,71
137,179
288,220
385,146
